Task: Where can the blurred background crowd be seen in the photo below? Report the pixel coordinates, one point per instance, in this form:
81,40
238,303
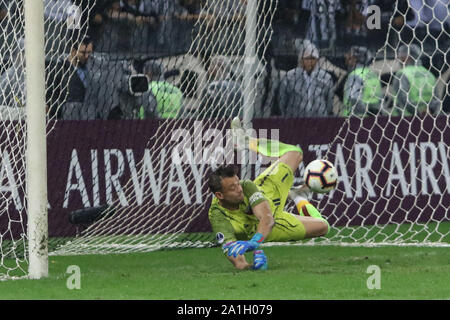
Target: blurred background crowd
138,59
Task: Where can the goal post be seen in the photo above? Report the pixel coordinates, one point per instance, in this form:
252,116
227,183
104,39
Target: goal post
248,81
36,156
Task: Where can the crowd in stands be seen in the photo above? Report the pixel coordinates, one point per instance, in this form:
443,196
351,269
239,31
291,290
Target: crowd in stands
139,59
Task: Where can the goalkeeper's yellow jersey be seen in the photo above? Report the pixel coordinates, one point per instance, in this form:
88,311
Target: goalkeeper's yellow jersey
272,185
239,224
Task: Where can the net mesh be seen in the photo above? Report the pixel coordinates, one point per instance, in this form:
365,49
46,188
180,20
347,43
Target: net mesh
63,26
157,207
371,153
394,165
179,71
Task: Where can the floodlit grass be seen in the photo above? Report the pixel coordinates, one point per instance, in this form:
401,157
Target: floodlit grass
295,272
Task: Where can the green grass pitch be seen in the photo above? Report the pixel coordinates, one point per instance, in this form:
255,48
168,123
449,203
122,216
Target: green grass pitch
295,272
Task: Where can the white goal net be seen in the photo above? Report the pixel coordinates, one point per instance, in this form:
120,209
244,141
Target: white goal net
392,151
63,26
162,203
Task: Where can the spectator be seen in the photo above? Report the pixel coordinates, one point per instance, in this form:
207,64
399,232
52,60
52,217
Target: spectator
94,13
127,28
424,20
401,12
169,98
131,10
322,22
362,89
221,29
413,86
68,81
306,91
429,16
57,9
152,25
171,32
192,7
184,26
11,14
5,37
3,11
222,96
12,81
62,17
355,22
90,87
12,85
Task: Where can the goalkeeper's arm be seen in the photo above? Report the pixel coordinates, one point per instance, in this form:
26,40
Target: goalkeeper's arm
239,262
266,222
264,214
260,208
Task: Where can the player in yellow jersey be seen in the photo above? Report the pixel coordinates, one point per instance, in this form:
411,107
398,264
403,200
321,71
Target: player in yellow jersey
245,213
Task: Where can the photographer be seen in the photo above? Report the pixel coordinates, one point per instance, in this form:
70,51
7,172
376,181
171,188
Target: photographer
169,98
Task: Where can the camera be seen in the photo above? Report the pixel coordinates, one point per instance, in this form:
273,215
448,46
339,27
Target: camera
138,84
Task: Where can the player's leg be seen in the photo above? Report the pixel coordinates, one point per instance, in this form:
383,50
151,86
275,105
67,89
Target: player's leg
309,214
308,224
291,227
276,182
285,153
313,227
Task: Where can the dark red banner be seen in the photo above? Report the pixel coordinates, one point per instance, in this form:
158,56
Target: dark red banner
389,171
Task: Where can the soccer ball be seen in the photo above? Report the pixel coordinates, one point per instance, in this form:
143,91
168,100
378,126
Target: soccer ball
321,176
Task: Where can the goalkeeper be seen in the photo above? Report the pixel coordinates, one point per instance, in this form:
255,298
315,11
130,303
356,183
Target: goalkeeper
244,214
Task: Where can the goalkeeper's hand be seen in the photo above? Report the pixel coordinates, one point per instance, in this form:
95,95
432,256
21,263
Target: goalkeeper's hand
236,248
259,260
